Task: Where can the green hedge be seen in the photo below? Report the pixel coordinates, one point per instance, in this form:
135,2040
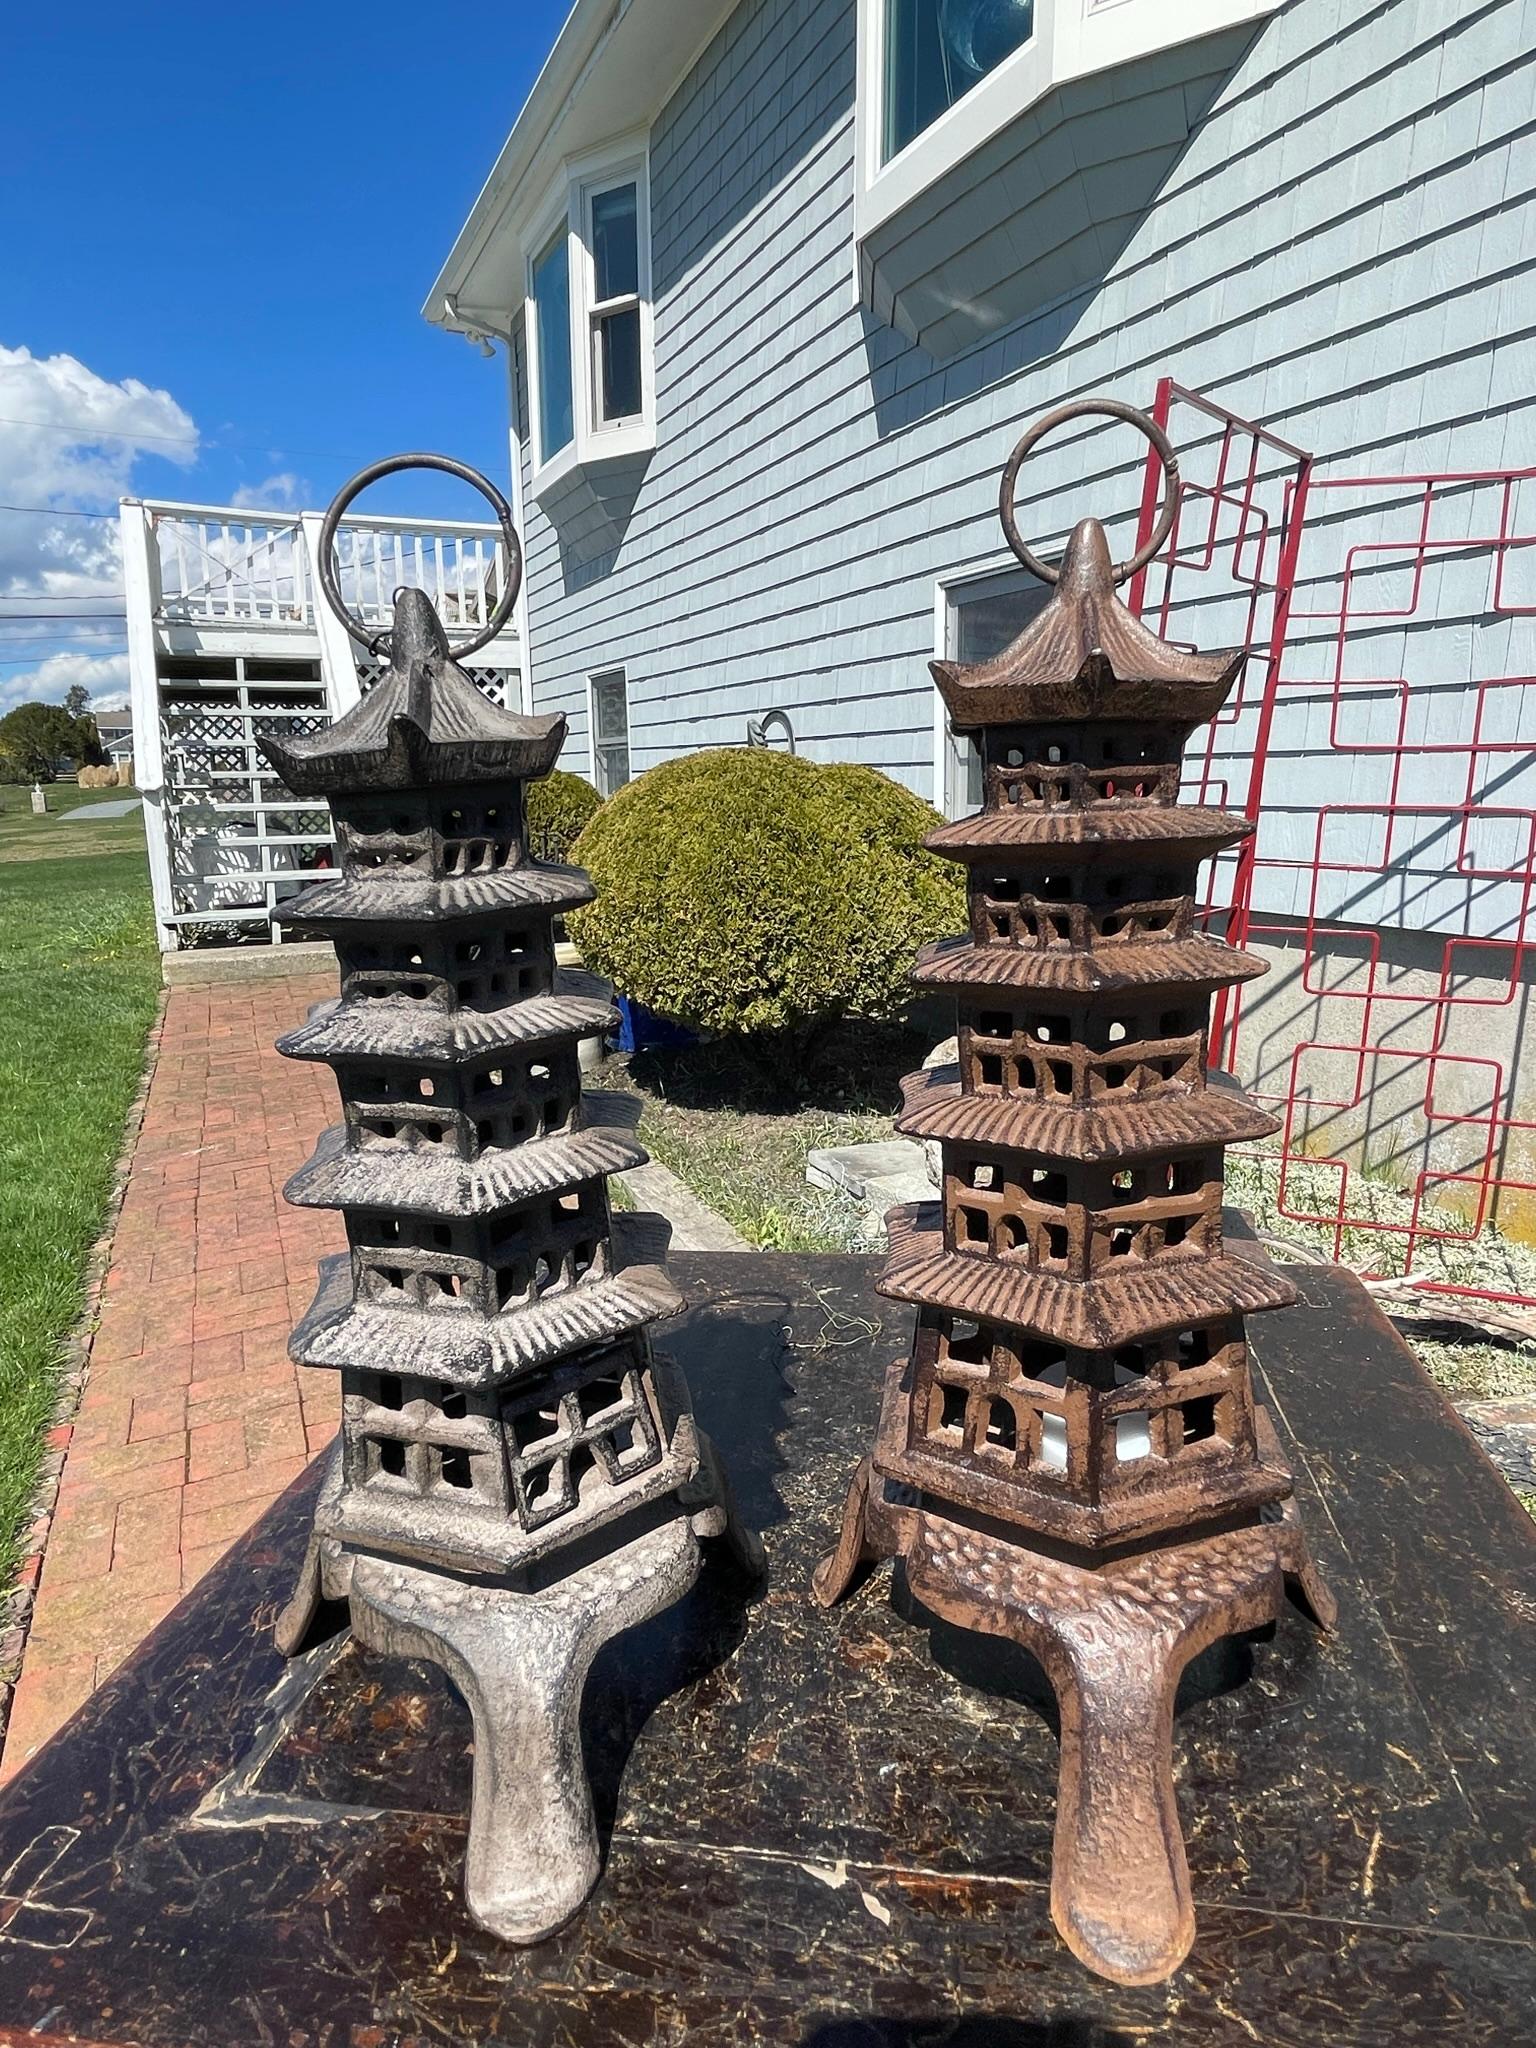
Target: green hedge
748,891
558,807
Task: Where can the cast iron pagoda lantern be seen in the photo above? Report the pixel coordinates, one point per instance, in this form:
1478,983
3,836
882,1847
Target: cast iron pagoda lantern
519,1477
1072,1456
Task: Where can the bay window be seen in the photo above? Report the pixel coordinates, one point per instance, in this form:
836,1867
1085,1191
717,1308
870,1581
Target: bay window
614,220
941,129
589,319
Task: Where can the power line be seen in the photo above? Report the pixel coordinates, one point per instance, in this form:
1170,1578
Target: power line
37,660
57,512
84,431
79,596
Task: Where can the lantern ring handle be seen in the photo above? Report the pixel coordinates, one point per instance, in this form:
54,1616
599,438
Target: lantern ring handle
1081,408
378,643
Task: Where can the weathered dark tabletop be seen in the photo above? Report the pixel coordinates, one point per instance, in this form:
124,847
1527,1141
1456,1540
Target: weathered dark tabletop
828,1830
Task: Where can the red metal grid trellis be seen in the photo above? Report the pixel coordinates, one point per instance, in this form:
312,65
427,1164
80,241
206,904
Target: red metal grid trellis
1376,740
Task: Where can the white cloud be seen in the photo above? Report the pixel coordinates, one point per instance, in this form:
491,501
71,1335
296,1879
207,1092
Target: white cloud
69,440
284,492
104,675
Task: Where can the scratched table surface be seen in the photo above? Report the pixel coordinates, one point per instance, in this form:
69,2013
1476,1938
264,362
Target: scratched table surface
824,1830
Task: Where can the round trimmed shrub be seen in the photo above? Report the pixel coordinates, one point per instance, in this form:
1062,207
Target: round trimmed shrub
558,807
747,891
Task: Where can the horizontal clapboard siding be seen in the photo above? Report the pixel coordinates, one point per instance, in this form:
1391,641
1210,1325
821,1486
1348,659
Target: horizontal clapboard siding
1343,251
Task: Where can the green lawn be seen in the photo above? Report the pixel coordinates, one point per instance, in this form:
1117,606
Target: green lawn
79,975
737,1130
64,834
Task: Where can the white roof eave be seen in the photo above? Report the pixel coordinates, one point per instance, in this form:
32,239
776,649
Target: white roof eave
612,69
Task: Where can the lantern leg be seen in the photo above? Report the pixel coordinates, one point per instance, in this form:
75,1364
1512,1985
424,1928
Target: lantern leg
293,1630
521,1662
1113,1641
311,1614
713,1512
1120,1892
1303,1581
854,1547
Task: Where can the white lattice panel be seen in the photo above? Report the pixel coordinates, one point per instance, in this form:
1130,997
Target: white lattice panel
238,841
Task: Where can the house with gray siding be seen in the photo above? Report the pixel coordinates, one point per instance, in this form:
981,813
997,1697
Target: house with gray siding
766,478
777,284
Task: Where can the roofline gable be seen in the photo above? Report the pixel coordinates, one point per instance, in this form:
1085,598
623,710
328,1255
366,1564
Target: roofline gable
614,66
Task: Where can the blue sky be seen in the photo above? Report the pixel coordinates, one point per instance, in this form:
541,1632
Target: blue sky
216,231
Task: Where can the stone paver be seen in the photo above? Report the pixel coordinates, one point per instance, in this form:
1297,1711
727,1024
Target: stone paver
192,1419
695,1226
1506,1429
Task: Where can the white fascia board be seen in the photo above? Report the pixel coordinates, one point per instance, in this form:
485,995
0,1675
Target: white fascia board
1072,39
612,70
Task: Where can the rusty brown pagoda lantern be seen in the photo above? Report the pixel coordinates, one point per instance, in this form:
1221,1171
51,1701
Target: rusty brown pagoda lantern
518,1478
1072,1456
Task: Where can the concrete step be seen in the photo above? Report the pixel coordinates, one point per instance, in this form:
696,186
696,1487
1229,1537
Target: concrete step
895,1170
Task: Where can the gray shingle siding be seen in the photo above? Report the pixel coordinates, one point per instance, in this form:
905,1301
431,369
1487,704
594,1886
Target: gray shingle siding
1342,251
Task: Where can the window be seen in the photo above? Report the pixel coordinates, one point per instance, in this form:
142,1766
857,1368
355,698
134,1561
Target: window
942,133
614,227
552,312
589,318
937,50
610,731
980,616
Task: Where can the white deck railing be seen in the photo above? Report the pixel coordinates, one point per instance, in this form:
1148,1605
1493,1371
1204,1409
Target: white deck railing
229,639
218,567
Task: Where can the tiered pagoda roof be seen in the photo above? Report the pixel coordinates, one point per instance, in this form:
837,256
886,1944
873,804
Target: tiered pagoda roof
1081,1131
469,1164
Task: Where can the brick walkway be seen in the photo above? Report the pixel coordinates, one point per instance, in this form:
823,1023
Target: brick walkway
192,1419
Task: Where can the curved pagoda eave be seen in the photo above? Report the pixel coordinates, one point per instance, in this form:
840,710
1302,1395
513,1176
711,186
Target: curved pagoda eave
471,1351
935,1107
423,726
1100,1314
1189,964
395,1029
1115,832
1085,656
401,898
430,1182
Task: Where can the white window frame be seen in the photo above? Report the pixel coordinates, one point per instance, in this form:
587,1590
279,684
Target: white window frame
1072,38
606,675
946,754
568,200
541,247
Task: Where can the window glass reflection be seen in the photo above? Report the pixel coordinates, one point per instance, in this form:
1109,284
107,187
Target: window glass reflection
936,50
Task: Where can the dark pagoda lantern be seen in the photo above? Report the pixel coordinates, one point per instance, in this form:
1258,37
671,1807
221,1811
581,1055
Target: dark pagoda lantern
519,1477
1072,1456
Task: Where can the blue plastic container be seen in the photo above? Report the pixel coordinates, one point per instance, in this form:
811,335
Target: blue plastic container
641,1030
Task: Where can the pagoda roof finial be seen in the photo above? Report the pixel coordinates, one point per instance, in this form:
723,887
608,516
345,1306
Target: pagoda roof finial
1086,655
423,723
